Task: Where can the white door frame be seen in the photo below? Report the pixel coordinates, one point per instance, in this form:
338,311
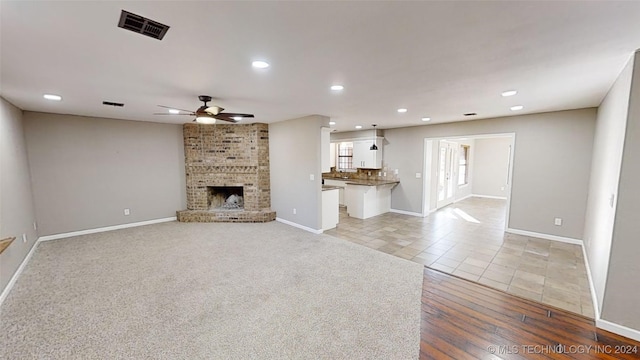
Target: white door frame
428,163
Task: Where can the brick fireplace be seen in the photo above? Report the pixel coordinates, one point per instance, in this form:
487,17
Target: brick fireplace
227,173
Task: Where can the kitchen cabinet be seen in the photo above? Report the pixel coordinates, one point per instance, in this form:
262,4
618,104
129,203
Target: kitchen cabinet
365,158
330,212
365,201
340,184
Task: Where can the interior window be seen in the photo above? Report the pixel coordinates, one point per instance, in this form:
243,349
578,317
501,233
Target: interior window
345,155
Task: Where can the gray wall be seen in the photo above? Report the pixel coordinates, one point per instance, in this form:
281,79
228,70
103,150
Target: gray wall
552,160
491,166
622,293
294,154
86,171
17,213
605,174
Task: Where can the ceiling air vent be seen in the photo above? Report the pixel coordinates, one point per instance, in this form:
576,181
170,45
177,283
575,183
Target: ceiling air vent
470,114
142,25
109,103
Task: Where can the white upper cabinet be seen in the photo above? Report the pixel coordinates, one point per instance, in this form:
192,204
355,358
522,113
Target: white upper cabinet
363,157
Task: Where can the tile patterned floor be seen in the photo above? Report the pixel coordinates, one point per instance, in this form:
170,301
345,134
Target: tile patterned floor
467,239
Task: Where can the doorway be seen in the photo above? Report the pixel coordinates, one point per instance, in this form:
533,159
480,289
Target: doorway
459,167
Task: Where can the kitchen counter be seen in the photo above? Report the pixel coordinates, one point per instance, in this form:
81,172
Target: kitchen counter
371,182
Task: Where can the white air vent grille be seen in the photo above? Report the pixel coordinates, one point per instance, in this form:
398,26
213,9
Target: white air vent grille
142,25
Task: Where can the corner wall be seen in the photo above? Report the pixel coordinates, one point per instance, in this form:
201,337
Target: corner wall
295,155
17,213
603,182
622,292
87,170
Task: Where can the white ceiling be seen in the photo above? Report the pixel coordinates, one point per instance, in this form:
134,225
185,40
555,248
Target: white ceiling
437,59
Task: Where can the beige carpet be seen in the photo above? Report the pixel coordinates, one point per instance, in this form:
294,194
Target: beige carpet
212,291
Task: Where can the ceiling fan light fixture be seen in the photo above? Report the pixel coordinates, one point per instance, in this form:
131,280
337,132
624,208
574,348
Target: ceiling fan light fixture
202,119
213,110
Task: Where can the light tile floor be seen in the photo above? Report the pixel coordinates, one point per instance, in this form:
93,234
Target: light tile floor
467,239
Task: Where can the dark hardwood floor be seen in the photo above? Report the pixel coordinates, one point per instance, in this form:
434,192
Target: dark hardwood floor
466,320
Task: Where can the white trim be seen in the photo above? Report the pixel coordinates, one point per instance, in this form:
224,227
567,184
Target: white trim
103,229
594,297
15,276
618,329
489,196
464,198
291,223
545,236
406,212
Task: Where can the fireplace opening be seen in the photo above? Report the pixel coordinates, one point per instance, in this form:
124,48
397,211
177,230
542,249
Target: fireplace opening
225,197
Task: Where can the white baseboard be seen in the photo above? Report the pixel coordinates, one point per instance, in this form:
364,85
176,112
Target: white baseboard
618,329
406,212
464,198
545,236
103,229
490,197
305,228
594,297
14,278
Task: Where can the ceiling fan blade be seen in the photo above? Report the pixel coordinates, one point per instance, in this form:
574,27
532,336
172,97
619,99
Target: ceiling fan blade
173,108
235,115
223,118
191,113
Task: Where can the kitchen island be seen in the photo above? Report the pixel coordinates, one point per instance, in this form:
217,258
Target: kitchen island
368,198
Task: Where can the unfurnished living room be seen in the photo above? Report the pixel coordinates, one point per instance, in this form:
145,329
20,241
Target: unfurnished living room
319,179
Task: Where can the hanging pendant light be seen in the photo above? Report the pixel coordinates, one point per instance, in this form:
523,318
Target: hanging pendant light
374,146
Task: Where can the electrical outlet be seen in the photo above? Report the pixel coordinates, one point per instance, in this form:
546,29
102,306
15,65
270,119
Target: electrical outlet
395,171
294,211
418,175
379,173
502,188
24,238
558,221
312,177
127,212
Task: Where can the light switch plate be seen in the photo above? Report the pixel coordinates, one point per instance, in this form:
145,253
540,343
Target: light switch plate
312,177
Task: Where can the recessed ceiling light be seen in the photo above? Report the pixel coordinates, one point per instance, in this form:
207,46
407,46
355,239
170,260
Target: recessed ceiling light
517,107
332,122
174,111
509,93
259,64
426,119
52,97
358,126
337,87
402,110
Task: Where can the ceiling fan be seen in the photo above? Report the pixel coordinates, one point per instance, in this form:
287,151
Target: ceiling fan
207,114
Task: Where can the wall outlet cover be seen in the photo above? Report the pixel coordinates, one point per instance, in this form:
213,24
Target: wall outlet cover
127,212
558,221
